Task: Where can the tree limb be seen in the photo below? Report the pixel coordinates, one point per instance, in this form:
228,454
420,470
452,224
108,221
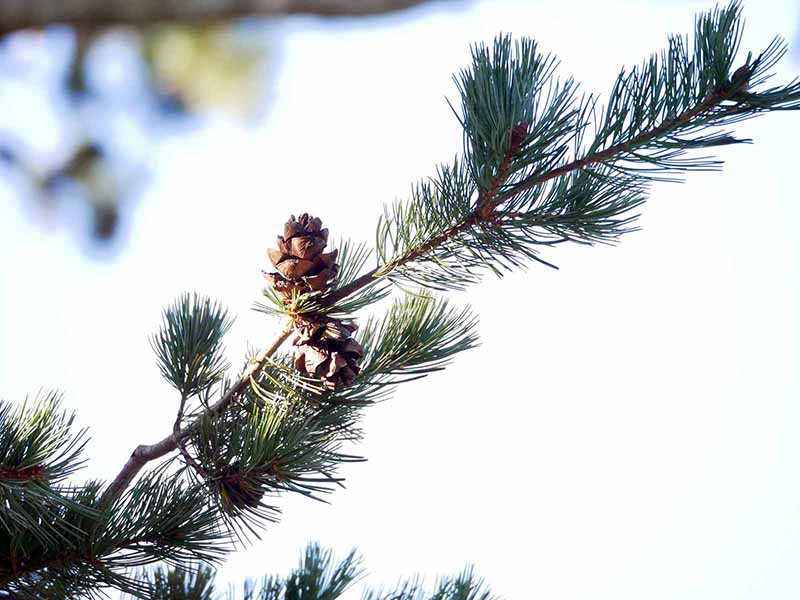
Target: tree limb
25,14
484,214
711,101
145,453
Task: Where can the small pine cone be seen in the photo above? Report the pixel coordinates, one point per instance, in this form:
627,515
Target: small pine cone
324,348
740,80
302,265
237,490
518,134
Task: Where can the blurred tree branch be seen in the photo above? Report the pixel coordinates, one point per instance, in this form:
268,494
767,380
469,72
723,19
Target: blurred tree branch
24,14
194,57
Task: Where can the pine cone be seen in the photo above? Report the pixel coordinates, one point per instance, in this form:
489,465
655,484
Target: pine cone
237,490
324,348
518,134
302,265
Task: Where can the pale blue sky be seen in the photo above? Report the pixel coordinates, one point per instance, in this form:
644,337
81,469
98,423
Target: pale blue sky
629,428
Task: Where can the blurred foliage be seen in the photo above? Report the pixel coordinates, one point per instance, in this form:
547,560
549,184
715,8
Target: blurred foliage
102,85
204,66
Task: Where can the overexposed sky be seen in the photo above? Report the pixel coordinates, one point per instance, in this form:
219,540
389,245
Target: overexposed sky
629,427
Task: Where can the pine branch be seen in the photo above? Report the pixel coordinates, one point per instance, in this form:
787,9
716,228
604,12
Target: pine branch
180,583
146,453
613,153
249,456
287,431
418,336
158,519
24,14
36,442
464,586
317,577
461,213
485,212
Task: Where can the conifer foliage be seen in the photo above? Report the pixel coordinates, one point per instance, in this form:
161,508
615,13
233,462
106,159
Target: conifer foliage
542,165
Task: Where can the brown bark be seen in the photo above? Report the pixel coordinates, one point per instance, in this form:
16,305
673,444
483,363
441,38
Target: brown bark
26,14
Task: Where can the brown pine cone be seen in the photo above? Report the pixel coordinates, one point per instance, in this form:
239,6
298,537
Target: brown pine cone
324,348
302,265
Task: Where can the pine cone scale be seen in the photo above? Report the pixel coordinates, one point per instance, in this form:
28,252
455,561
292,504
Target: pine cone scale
324,348
275,256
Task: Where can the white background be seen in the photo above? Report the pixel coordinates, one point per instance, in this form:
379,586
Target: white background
629,427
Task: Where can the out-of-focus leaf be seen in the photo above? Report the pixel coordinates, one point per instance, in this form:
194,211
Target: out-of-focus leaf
206,66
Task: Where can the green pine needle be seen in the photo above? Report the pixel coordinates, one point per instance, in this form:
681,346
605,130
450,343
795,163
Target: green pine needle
189,344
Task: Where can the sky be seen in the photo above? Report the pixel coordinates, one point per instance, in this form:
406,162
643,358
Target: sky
628,427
